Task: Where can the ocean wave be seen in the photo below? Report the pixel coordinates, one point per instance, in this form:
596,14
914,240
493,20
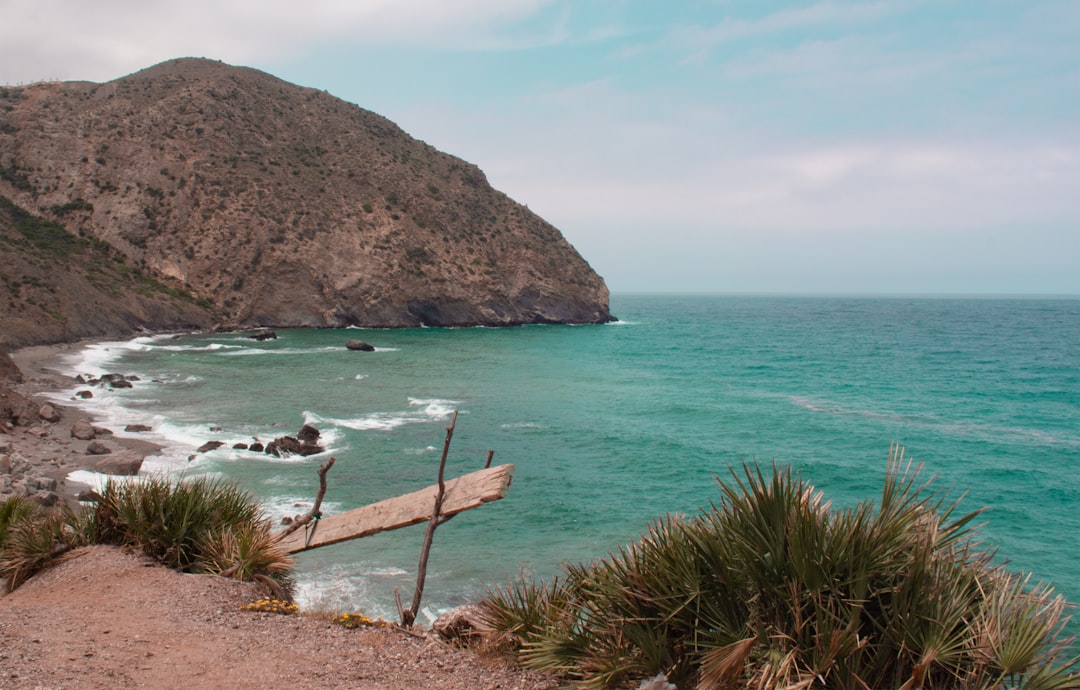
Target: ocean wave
212,347
981,430
348,587
279,507
255,351
521,425
426,410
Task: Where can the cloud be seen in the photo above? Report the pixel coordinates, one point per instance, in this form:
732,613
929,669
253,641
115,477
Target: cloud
698,41
70,39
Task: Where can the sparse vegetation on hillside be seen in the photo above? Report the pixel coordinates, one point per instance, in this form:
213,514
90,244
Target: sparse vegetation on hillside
58,286
193,168
772,588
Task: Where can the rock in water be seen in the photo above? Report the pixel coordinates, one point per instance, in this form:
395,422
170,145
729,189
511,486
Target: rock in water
308,434
360,346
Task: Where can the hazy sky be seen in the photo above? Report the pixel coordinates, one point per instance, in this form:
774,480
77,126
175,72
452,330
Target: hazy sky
726,145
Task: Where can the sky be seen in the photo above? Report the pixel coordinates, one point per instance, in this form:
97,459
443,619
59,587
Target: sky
737,146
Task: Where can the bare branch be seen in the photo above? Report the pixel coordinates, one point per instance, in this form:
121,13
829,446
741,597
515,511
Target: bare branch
409,617
314,513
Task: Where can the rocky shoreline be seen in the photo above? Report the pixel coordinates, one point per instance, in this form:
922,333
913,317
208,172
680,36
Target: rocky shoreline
103,617
43,442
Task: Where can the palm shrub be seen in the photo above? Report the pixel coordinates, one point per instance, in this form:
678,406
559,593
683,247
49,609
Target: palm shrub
198,525
170,521
772,588
243,551
13,510
31,538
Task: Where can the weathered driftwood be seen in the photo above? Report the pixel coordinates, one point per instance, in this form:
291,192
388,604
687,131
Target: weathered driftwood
463,493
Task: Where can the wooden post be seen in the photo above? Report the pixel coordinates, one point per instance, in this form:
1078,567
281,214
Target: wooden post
408,617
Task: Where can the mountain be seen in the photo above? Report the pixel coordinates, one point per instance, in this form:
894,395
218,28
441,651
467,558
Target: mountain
279,205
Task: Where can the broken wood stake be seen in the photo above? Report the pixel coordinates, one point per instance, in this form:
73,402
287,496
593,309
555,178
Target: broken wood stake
314,513
409,616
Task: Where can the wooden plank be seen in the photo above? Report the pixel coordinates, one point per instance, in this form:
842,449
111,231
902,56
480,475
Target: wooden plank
463,493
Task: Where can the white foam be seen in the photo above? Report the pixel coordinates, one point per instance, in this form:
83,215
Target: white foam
291,506
521,425
212,347
433,409
348,588
254,351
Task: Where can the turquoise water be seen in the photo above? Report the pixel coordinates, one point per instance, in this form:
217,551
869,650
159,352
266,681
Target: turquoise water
611,426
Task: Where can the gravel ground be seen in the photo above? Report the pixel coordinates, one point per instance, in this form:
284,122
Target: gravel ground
105,618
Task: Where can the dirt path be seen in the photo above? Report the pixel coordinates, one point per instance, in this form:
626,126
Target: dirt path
105,618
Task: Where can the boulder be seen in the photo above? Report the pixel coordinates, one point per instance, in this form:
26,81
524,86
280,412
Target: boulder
17,409
240,446
97,448
263,335
102,431
290,445
308,434
257,447
126,464
284,445
209,445
83,430
138,428
49,413
85,395
360,346
41,484
122,383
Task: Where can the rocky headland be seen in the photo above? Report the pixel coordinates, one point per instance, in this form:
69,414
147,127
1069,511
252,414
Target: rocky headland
194,193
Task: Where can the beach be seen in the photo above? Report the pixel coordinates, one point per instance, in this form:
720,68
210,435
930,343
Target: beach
46,452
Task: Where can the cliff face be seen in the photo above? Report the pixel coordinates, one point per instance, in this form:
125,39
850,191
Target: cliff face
284,206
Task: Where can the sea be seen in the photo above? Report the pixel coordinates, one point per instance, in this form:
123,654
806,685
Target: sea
609,427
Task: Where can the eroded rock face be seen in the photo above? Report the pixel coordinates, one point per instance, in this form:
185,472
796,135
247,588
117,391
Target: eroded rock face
282,206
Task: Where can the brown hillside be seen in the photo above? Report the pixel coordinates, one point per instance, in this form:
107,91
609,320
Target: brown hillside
55,287
283,205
